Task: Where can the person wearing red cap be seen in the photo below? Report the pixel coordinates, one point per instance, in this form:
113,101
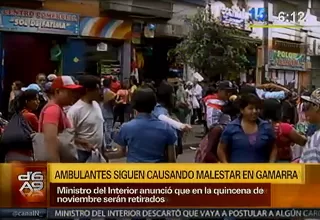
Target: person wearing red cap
53,120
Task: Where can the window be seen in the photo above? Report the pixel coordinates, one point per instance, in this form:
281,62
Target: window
282,6
315,8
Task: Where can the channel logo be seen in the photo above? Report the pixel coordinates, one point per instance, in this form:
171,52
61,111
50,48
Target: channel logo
29,182
32,184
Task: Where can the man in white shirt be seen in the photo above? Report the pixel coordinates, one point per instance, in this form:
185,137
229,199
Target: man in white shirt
197,110
86,118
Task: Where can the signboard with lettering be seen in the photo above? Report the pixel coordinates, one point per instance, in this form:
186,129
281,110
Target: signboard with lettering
37,21
286,60
238,14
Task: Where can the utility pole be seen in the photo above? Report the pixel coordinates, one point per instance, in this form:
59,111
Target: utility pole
265,42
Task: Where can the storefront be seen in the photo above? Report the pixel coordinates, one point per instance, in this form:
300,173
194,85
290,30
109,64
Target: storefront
285,67
102,49
32,43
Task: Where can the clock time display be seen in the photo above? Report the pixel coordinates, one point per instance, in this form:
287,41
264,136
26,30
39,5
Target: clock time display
294,17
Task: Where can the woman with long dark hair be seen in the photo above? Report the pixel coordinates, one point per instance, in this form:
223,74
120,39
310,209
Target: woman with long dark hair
248,139
27,103
286,135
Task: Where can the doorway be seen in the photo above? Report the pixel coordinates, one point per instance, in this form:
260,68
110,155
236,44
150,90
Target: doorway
25,56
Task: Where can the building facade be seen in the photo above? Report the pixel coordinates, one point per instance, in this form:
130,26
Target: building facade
293,42
86,35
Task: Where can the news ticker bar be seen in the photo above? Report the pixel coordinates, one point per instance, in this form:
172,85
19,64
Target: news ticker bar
62,213
159,185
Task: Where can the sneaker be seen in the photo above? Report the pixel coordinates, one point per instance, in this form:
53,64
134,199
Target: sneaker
193,148
111,149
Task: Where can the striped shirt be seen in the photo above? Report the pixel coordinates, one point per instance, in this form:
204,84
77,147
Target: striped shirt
311,151
213,112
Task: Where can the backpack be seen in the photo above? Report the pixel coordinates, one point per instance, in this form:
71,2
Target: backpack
204,149
17,134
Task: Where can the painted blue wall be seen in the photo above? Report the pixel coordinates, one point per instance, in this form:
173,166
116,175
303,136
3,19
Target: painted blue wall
74,48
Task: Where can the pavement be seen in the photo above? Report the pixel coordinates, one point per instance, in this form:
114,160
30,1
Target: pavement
191,139
186,157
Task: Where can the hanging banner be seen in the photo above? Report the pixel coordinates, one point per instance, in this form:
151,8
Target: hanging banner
286,60
37,21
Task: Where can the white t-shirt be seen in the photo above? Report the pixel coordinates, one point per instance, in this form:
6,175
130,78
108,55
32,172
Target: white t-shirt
197,91
87,122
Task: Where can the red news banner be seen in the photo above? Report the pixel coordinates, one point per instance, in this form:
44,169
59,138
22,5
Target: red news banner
159,195
43,185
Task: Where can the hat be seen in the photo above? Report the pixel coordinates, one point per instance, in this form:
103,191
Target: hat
314,97
51,77
225,85
32,86
64,82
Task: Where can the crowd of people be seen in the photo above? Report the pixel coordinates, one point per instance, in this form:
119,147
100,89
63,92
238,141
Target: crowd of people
67,119
259,124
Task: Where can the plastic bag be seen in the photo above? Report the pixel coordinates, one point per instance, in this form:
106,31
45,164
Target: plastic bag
296,151
17,134
96,157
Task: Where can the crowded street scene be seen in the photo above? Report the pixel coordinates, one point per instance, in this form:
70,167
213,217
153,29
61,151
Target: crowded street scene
85,119
82,86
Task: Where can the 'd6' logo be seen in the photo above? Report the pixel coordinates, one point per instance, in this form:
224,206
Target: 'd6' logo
33,184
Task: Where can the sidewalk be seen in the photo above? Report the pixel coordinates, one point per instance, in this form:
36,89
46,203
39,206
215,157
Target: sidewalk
192,139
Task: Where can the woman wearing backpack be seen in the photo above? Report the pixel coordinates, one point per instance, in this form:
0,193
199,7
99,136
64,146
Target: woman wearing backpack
23,122
285,133
207,151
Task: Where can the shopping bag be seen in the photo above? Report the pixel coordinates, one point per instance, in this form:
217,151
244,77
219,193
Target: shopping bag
67,149
96,157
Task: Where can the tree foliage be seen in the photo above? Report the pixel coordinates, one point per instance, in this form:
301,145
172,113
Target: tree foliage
212,48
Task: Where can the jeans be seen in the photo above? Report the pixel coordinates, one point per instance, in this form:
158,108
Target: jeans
83,156
108,128
122,113
188,117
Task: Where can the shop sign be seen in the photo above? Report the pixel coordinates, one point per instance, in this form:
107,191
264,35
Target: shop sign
37,21
229,15
286,60
240,14
232,17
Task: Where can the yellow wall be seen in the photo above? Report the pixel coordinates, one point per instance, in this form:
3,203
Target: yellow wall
83,7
